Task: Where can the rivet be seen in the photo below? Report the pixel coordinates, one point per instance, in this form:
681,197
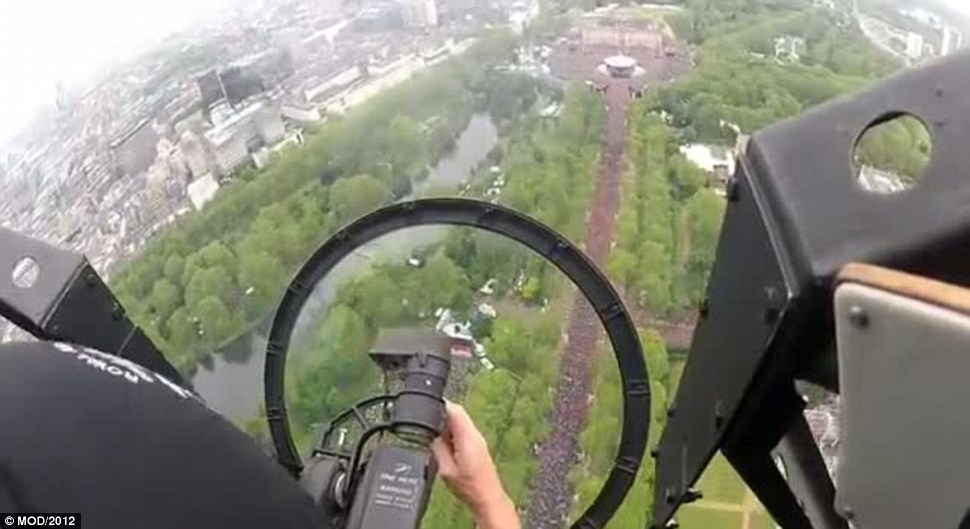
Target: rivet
858,317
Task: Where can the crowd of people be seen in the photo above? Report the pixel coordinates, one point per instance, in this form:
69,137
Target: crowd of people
551,491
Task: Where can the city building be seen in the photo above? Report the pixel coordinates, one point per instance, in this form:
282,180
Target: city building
333,84
262,157
135,149
300,112
789,48
242,132
158,200
952,41
717,161
914,45
291,42
922,15
203,190
419,13
228,147
196,155
269,123
379,17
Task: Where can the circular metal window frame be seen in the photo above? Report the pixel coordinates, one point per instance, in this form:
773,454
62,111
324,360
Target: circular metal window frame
513,225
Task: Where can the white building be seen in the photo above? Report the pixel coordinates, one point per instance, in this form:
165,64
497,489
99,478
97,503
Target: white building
341,80
195,154
789,48
229,148
914,45
255,126
202,190
269,124
419,13
261,157
952,41
157,200
301,113
709,157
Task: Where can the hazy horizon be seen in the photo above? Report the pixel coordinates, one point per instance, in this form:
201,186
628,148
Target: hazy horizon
43,42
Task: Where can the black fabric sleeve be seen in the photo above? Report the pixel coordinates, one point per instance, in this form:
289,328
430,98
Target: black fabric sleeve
83,431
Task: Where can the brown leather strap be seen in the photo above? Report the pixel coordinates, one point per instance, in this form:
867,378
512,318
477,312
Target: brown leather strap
912,286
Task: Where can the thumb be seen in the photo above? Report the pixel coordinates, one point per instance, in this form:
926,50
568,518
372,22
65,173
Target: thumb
443,455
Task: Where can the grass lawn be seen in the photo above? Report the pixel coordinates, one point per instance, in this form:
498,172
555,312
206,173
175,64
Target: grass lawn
676,371
720,484
762,521
700,518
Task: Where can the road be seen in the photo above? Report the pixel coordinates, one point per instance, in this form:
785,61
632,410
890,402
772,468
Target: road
552,493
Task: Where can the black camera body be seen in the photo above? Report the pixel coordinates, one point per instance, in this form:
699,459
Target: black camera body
389,479
395,488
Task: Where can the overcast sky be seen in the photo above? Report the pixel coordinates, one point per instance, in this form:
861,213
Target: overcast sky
46,41
959,5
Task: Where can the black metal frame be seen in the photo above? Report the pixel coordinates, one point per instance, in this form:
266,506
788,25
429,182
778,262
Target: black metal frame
69,302
513,225
796,215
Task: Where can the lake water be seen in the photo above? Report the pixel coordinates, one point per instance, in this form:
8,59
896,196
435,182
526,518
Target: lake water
232,383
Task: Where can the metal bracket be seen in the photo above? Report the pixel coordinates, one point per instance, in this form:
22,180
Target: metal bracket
56,295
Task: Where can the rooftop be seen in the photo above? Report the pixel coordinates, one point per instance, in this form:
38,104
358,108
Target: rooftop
620,61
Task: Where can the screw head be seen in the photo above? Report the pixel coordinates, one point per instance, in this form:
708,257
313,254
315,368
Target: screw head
858,317
671,495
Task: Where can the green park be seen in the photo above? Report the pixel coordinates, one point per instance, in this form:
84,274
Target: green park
219,273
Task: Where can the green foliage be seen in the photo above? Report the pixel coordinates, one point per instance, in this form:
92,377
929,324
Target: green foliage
265,275
354,196
243,246
210,283
901,146
164,299
705,210
669,223
643,258
511,405
182,330
739,80
174,267
215,321
339,373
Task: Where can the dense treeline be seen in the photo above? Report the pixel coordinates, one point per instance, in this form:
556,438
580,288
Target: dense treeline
902,146
667,229
221,270
668,226
739,80
330,370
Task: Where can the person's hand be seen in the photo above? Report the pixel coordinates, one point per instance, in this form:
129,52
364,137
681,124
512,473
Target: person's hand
467,468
